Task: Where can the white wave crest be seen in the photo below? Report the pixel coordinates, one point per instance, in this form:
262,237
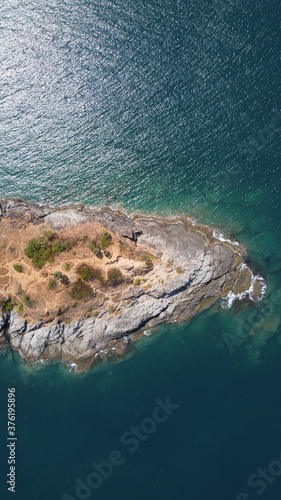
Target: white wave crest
228,301
221,237
72,367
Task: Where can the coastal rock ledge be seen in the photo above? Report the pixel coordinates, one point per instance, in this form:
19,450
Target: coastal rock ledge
80,284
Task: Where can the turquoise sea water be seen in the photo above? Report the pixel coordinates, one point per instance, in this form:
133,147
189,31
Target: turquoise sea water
168,107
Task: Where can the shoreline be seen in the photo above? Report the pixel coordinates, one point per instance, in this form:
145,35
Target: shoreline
189,267
134,214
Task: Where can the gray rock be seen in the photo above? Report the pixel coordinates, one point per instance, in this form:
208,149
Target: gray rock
193,272
2,324
17,324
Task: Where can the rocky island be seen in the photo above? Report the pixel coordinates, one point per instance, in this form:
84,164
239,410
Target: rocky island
79,284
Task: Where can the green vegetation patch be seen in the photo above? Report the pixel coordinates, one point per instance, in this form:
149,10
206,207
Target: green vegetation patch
67,266
106,239
43,248
93,245
137,282
97,253
7,306
180,270
18,268
52,284
57,275
145,256
80,290
89,273
147,259
95,248
115,277
19,308
48,236
28,302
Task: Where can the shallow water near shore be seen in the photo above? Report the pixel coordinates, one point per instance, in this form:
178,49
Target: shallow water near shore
159,109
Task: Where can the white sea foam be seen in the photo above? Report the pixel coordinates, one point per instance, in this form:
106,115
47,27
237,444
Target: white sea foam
228,301
41,361
147,333
103,351
221,237
72,367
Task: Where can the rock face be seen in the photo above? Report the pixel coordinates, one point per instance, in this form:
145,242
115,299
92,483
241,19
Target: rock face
193,270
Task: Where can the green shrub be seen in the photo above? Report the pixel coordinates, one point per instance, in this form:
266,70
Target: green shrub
8,306
57,275
67,266
137,282
58,247
144,257
33,247
48,236
106,239
52,284
70,244
92,245
19,308
111,308
51,259
115,277
147,259
41,249
180,270
107,254
89,273
85,238
80,290
27,301
18,268
86,274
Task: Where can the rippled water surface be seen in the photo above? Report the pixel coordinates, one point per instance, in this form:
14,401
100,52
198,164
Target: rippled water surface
157,107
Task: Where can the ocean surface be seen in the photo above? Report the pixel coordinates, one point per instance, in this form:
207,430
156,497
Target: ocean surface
158,107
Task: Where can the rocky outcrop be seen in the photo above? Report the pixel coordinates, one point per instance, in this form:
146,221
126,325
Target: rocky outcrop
193,270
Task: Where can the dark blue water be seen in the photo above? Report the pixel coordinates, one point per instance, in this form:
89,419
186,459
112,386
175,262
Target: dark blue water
164,107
